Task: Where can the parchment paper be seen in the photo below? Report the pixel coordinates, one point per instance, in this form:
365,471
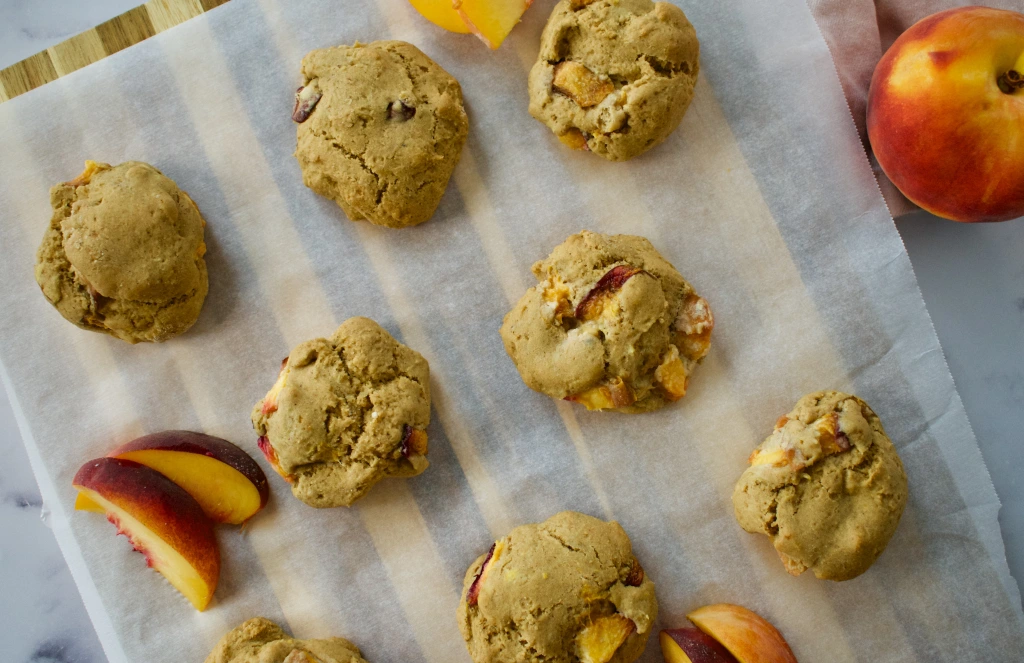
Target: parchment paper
763,199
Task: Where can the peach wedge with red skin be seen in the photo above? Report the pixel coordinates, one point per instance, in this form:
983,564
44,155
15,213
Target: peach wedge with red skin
747,635
691,645
161,520
226,482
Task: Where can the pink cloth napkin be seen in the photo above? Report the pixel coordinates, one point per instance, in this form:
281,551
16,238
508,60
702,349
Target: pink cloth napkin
858,32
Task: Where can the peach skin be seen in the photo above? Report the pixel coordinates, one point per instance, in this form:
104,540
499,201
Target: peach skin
945,114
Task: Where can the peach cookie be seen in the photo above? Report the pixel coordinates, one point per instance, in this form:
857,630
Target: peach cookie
565,590
123,254
380,129
614,76
346,412
611,325
260,640
827,487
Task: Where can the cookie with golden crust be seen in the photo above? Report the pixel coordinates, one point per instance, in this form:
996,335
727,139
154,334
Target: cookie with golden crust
380,129
611,325
563,591
827,487
614,76
345,412
260,640
123,253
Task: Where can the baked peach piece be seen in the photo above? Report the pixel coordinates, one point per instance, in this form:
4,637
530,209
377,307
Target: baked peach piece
227,483
161,520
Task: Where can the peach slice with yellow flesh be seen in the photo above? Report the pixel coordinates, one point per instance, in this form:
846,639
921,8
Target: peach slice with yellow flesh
576,81
161,520
226,482
691,645
598,642
614,394
594,302
441,13
747,635
491,20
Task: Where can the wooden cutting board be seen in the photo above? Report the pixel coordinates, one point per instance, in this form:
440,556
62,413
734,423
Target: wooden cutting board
116,34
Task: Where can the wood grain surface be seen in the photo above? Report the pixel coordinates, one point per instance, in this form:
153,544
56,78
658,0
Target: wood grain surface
92,45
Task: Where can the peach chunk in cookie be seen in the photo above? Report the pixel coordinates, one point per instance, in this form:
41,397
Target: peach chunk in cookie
827,487
566,589
344,413
610,325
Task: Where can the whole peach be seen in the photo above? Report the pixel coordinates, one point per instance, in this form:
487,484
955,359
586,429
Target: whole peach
945,114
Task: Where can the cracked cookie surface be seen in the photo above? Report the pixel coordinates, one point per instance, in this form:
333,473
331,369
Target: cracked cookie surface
562,591
381,128
123,253
611,325
346,412
827,487
614,76
260,640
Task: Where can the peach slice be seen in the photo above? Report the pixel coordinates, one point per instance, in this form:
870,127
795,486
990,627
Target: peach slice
614,394
441,13
594,302
491,20
576,81
226,482
161,520
691,645
599,641
693,326
747,636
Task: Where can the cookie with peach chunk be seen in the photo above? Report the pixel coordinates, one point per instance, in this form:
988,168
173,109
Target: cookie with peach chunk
611,325
345,412
827,487
566,589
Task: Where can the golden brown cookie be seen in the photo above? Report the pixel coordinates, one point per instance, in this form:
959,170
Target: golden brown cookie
260,640
827,487
611,325
380,130
124,252
346,412
566,590
614,76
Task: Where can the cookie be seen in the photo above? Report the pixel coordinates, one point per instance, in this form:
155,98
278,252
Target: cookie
614,76
827,487
346,412
380,130
611,324
260,640
565,590
123,254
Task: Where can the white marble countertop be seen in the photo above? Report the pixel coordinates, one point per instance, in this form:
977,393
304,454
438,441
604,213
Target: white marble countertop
972,278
